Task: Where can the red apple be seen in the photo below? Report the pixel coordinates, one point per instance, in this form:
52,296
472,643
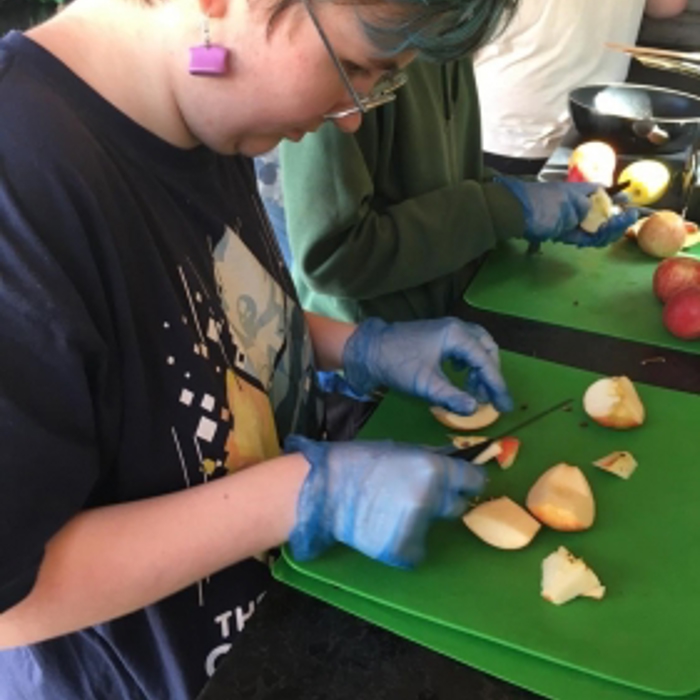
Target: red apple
675,274
682,314
592,161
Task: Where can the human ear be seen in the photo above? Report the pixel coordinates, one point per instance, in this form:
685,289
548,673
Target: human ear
214,8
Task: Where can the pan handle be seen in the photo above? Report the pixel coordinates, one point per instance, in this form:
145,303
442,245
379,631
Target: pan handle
648,129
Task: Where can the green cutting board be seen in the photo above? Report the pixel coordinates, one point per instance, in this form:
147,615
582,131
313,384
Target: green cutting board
539,676
646,632
607,291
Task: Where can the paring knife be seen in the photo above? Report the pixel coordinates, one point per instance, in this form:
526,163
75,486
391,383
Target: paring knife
470,453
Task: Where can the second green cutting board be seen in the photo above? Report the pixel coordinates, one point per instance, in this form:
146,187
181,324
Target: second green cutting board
607,291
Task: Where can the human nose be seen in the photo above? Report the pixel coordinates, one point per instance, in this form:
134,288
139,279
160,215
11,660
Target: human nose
349,124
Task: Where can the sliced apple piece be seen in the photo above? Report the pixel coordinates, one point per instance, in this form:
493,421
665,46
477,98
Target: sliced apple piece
562,499
692,234
489,453
510,446
565,577
602,209
620,463
502,523
485,415
614,403
461,442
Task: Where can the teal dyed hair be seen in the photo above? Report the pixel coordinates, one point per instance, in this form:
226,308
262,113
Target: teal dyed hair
440,30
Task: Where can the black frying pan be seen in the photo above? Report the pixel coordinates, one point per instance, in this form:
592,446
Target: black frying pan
637,119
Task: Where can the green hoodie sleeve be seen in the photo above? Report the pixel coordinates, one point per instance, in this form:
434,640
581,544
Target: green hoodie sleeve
347,242
387,209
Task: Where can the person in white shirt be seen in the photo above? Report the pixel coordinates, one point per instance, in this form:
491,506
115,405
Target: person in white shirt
549,48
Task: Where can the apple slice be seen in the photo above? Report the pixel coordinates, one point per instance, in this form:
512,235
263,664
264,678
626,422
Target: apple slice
491,452
502,523
510,446
485,415
562,499
565,577
461,442
614,403
602,209
620,463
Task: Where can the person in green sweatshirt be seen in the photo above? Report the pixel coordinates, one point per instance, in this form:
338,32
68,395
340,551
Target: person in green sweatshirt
390,220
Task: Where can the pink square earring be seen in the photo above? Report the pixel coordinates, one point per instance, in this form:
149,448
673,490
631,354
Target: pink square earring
208,58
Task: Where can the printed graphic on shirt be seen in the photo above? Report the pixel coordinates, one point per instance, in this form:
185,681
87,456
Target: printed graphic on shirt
251,335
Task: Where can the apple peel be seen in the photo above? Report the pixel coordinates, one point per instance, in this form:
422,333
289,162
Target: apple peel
620,463
613,402
502,523
565,577
510,446
484,416
562,499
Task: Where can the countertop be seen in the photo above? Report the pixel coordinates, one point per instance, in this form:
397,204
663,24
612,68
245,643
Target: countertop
298,648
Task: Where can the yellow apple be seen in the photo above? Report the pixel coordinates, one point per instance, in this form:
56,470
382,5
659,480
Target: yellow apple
649,180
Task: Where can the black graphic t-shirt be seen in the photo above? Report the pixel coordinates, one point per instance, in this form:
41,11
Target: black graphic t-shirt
150,340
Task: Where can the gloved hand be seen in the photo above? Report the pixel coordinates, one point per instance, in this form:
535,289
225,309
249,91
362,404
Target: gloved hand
407,356
554,210
377,497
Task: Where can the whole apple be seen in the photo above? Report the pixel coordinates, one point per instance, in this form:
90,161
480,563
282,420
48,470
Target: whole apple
592,161
662,234
674,274
682,314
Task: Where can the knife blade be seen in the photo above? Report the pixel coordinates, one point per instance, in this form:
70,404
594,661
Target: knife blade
469,453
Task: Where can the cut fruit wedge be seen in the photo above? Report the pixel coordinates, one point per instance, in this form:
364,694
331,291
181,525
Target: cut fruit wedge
484,416
620,463
562,499
502,523
510,446
614,403
565,577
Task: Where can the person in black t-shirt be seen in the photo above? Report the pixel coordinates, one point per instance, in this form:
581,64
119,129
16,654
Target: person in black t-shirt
151,341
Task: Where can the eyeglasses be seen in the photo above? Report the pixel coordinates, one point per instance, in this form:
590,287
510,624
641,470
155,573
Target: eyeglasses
382,93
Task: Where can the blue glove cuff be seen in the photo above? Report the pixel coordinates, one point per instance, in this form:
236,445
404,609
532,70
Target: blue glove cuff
310,536
357,356
519,191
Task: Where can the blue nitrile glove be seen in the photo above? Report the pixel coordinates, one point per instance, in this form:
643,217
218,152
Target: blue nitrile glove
377,497
408,357
554,210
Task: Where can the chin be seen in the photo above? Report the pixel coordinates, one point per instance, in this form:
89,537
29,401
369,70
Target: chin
256,146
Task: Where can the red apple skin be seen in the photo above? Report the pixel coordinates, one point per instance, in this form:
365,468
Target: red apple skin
575,175
674,274
682,314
